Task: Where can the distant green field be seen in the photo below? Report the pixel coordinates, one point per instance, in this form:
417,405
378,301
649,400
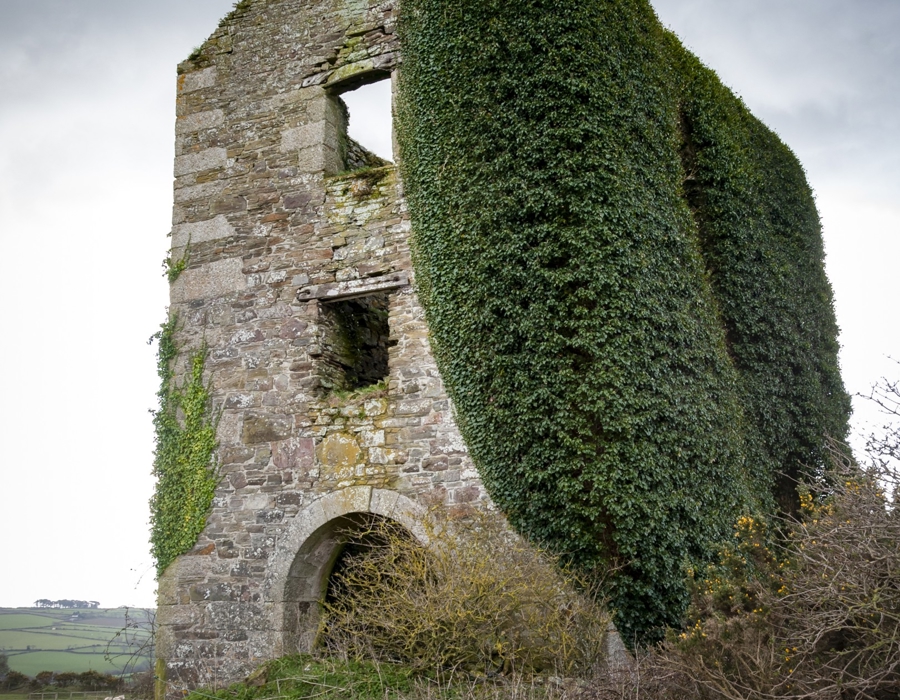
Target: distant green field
15,620
49,639
34,662
62,639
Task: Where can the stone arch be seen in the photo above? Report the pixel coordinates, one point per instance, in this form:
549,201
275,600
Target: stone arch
306,552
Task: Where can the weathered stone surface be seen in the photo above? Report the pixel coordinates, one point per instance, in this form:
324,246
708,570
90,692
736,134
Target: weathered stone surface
306,136
202,191
236,616
296,453
201,231
203,160
199,121
197,80
170,615
211,280
339,451
266,428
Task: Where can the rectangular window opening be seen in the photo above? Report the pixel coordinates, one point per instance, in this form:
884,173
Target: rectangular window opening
356,339
370,141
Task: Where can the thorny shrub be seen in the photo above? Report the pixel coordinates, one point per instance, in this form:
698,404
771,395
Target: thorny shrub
477,600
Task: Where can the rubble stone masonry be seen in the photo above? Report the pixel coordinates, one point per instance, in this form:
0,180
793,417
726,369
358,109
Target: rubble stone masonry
298,279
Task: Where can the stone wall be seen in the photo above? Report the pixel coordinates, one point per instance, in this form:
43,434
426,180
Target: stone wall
276,235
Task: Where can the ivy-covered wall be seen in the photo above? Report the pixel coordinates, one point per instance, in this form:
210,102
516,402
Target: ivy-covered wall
186,476
623,277
761,240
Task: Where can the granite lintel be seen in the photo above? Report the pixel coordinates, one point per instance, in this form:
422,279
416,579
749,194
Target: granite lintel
351,289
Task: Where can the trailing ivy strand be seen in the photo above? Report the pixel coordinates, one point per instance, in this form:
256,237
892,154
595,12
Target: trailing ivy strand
622,273
183,460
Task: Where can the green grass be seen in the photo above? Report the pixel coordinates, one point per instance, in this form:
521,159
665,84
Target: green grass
32,663
11,621
60,639
297,677
13,696
302,677
45,639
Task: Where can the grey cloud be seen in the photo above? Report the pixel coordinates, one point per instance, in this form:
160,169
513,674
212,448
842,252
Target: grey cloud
39,19
823,73
821,50
57,50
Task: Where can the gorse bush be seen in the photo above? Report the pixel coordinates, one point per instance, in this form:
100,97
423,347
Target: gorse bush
90,681
478,599
807,607
13,680
622,274
815,614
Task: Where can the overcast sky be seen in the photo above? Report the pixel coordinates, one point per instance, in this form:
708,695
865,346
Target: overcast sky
86,146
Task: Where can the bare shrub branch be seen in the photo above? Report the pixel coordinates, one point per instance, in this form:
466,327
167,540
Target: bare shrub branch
478,600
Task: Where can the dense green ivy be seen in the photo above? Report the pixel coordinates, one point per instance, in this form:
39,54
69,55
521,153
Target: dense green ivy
622,273
183,460
761,239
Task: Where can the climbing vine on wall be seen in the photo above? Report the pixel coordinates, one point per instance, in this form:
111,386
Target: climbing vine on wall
173,268
183,461
580,193
761,240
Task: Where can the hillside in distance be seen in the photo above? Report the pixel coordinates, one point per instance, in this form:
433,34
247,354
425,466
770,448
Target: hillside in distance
113,640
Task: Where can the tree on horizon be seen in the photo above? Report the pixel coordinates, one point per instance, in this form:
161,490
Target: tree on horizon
66,603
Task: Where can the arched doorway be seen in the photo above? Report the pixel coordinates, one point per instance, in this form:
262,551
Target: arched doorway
308,551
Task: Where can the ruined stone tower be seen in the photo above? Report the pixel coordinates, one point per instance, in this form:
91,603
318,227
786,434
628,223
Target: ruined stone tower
625,285
297,277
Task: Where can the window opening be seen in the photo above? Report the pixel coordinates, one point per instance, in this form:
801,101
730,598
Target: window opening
370,125
356,342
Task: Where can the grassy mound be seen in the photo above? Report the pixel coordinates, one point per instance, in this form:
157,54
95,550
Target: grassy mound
306,677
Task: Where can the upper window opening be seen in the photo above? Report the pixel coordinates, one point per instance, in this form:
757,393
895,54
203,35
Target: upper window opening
356,341
370,122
